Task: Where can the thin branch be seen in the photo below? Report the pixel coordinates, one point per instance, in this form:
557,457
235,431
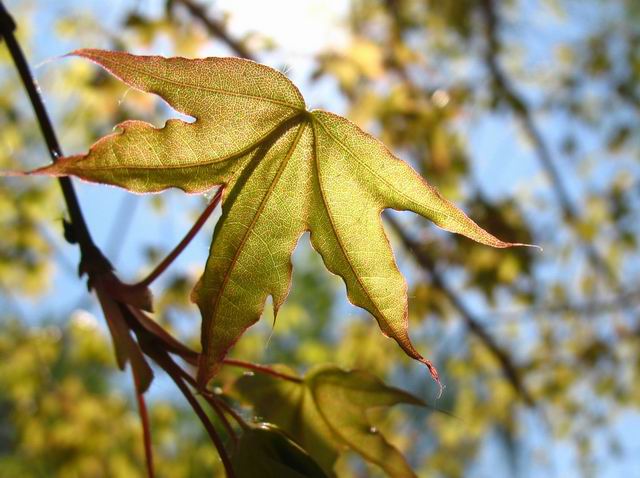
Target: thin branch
213,401
161,337
160,268
520,108
473,323
153,337
262,369
216,28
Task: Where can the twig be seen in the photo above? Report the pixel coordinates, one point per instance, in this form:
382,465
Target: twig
161,337
92,261
520,108
154,338
160,268
225,422
471,321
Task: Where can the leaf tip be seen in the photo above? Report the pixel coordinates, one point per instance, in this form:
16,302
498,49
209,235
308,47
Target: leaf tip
535,246
95,55
504,245
79,52
84,52
500,244
8,174
434,375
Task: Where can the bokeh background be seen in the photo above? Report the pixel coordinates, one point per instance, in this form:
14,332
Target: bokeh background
525,113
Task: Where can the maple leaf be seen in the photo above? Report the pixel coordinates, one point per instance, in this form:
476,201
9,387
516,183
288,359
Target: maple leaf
285,171
326,412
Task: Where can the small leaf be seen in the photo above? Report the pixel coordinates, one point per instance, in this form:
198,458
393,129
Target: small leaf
266,452
327,412
285,171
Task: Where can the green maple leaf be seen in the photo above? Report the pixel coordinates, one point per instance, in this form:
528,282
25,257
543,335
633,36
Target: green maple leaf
285,171
326,412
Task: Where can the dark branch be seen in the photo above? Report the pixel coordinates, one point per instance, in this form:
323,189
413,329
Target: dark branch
92,258
154,341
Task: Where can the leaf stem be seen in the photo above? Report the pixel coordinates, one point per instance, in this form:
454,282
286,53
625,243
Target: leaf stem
262,369
160,268
228,409
212,400
215,405
146,428
218,406
169,366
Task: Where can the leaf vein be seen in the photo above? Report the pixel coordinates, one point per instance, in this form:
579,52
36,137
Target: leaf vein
333,226
254,220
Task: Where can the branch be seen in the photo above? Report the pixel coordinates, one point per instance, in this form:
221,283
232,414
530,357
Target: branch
472,322
219,407
227,408
522,111
520,108
216,28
